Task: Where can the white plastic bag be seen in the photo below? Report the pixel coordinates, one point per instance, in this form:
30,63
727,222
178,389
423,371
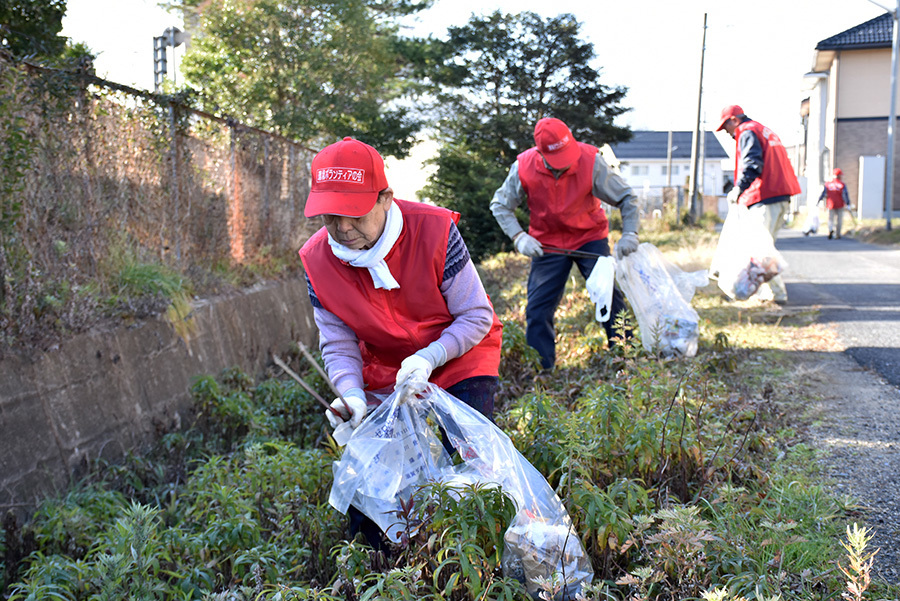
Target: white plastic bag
811,226
600,285
667,321
745,257
395,451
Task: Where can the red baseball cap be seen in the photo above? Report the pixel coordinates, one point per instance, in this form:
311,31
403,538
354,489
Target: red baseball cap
555,143
837,171
732,110
346,179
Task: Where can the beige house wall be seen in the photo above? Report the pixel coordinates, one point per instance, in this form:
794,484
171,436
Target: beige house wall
848,107
863,80
860,113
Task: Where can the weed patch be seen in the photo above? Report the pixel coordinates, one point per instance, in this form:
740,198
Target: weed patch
685,479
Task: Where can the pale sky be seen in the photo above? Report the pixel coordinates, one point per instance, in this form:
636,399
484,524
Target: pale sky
756,53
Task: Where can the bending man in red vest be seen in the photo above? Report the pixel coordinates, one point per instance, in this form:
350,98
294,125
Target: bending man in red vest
835,195
395,295
763,175
563,182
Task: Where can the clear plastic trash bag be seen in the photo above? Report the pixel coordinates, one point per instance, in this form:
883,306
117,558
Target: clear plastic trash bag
745,256
395,450
668,323
687,282
600,284
811,225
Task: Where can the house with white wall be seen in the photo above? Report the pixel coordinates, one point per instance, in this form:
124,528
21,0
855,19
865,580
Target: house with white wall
848,108
655,160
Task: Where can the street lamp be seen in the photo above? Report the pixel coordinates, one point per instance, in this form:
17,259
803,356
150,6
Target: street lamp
889,171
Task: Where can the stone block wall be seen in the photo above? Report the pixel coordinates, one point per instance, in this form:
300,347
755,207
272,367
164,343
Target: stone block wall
108,391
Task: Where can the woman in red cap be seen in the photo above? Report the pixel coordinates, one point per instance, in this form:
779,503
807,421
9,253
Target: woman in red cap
395,295
836,198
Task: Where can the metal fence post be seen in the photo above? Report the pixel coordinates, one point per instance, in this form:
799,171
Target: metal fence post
176,196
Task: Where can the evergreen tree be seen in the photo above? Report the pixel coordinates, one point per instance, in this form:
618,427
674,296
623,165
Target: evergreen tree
30,28
311,70
493,79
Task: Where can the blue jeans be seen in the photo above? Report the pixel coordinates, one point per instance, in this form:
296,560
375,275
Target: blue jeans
546,285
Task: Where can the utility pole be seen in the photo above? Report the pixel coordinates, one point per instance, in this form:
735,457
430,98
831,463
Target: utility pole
889,173
669,161
695,140
701,165
159,61
173,37
889,167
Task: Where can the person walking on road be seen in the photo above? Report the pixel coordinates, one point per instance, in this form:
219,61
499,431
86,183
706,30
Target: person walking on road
836,198
764,178
563,182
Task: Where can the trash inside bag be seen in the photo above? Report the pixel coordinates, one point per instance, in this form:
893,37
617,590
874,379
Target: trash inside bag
394,451
668,323
537,547
600,285
745,257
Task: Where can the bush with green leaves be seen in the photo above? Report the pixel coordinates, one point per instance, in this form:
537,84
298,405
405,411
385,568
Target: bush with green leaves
450,548
666,468
235,410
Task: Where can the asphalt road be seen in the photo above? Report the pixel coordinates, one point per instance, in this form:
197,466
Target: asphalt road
856,287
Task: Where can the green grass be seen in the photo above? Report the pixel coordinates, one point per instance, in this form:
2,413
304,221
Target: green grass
874,231
683,477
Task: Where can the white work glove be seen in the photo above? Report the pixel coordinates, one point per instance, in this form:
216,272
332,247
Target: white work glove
733,195
627,244
528,246
356,400
414,373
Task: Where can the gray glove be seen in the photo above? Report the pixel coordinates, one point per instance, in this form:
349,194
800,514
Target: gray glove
627,244
528,246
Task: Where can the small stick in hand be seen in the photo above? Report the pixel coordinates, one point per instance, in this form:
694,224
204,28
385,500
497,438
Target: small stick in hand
306,386
321,371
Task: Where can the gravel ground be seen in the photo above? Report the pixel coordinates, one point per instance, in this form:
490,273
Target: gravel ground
857,425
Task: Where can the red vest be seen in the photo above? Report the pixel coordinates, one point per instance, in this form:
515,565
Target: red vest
834,194
564,211
778,177
393,324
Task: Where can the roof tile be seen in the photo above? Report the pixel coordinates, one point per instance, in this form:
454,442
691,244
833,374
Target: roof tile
653,145
874,33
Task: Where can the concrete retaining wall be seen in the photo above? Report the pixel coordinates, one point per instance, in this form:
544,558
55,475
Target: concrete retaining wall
103,393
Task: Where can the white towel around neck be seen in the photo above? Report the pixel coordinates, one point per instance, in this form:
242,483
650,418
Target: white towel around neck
373,259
